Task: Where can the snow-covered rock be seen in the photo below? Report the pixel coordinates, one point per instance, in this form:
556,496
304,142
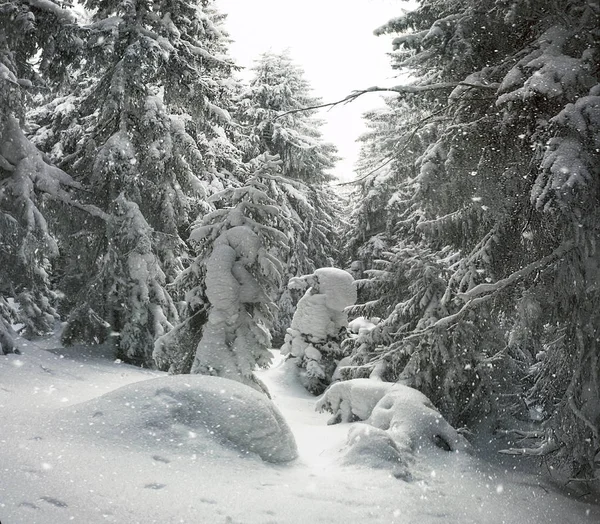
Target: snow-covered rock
204,415
414,422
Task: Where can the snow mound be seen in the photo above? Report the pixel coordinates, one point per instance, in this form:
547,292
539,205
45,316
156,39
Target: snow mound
398,422
361,325
209,416
413,421
375,448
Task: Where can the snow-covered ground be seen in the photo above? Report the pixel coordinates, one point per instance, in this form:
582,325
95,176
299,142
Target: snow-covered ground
53,472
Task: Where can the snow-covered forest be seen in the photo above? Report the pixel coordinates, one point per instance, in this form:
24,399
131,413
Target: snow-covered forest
179,260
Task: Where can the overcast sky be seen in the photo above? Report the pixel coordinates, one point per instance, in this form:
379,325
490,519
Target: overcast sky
333,41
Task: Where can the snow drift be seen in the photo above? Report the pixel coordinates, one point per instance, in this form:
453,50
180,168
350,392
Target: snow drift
209,416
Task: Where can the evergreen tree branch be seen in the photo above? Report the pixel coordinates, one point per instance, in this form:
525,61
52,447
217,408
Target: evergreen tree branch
417,127
396,154
570,394
489,289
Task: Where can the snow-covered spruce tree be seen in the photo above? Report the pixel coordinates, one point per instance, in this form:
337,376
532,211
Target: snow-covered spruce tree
27,177
146,121
319,325
509,182
136,304
277,87
232,284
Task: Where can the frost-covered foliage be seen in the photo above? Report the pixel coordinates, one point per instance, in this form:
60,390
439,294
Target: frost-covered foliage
146,118
493,213
186,414
27,177
234,279
319,325
279,86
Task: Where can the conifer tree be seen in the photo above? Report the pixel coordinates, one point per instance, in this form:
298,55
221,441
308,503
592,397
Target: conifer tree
232,284
504,204
277,87
147,123
28,180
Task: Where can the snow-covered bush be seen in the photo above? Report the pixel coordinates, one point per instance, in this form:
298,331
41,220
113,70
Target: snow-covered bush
399,421
319,325
352,400
207,416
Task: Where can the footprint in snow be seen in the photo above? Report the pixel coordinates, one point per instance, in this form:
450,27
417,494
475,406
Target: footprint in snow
31,473
29,505
55,502
155,485
158,458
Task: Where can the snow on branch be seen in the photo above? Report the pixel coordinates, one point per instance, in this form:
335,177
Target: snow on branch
501,284
483,292
51,7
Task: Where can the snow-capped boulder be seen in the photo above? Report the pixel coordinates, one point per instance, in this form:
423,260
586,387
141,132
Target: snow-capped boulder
204,415
413,421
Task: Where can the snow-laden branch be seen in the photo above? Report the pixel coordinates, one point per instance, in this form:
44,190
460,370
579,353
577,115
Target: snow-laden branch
55,9
408,141
483,292
482,289
542,450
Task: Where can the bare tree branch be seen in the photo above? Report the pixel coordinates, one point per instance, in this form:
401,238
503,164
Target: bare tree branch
417,127
401,89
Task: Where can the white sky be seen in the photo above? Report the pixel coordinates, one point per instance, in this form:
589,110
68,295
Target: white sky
333,41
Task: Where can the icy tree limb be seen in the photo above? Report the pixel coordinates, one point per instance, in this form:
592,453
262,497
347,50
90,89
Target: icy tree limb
521,434
544,449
